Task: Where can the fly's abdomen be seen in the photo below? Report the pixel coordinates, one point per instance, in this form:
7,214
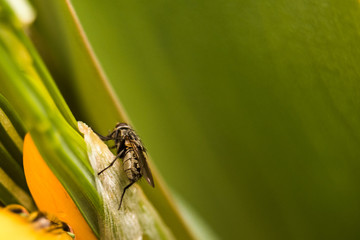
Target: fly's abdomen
131,165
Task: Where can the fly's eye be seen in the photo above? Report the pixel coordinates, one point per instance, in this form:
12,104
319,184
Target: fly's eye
68,229
17,209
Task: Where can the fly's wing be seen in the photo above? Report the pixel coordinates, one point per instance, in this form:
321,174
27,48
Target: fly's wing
144,168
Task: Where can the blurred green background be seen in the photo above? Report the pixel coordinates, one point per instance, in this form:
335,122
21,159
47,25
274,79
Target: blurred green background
249,109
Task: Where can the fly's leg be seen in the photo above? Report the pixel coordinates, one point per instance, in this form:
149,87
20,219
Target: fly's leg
122,195
113,161
104,138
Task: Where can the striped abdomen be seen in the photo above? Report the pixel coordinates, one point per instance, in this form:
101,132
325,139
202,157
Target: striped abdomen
131,165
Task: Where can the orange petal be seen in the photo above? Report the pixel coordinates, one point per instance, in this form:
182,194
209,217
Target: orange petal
49,194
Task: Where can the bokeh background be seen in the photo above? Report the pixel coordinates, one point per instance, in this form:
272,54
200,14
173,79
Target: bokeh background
249,109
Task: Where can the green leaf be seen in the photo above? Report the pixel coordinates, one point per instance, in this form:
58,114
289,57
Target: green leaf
12,169
11,146
11,130
25,55
11,122
11,193
13,184
79,75
27,85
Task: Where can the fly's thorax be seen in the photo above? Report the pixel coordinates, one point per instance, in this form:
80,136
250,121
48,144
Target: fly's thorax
127,143
131,165
40,221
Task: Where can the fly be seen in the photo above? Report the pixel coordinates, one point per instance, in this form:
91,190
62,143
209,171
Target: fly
41,220
129,148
